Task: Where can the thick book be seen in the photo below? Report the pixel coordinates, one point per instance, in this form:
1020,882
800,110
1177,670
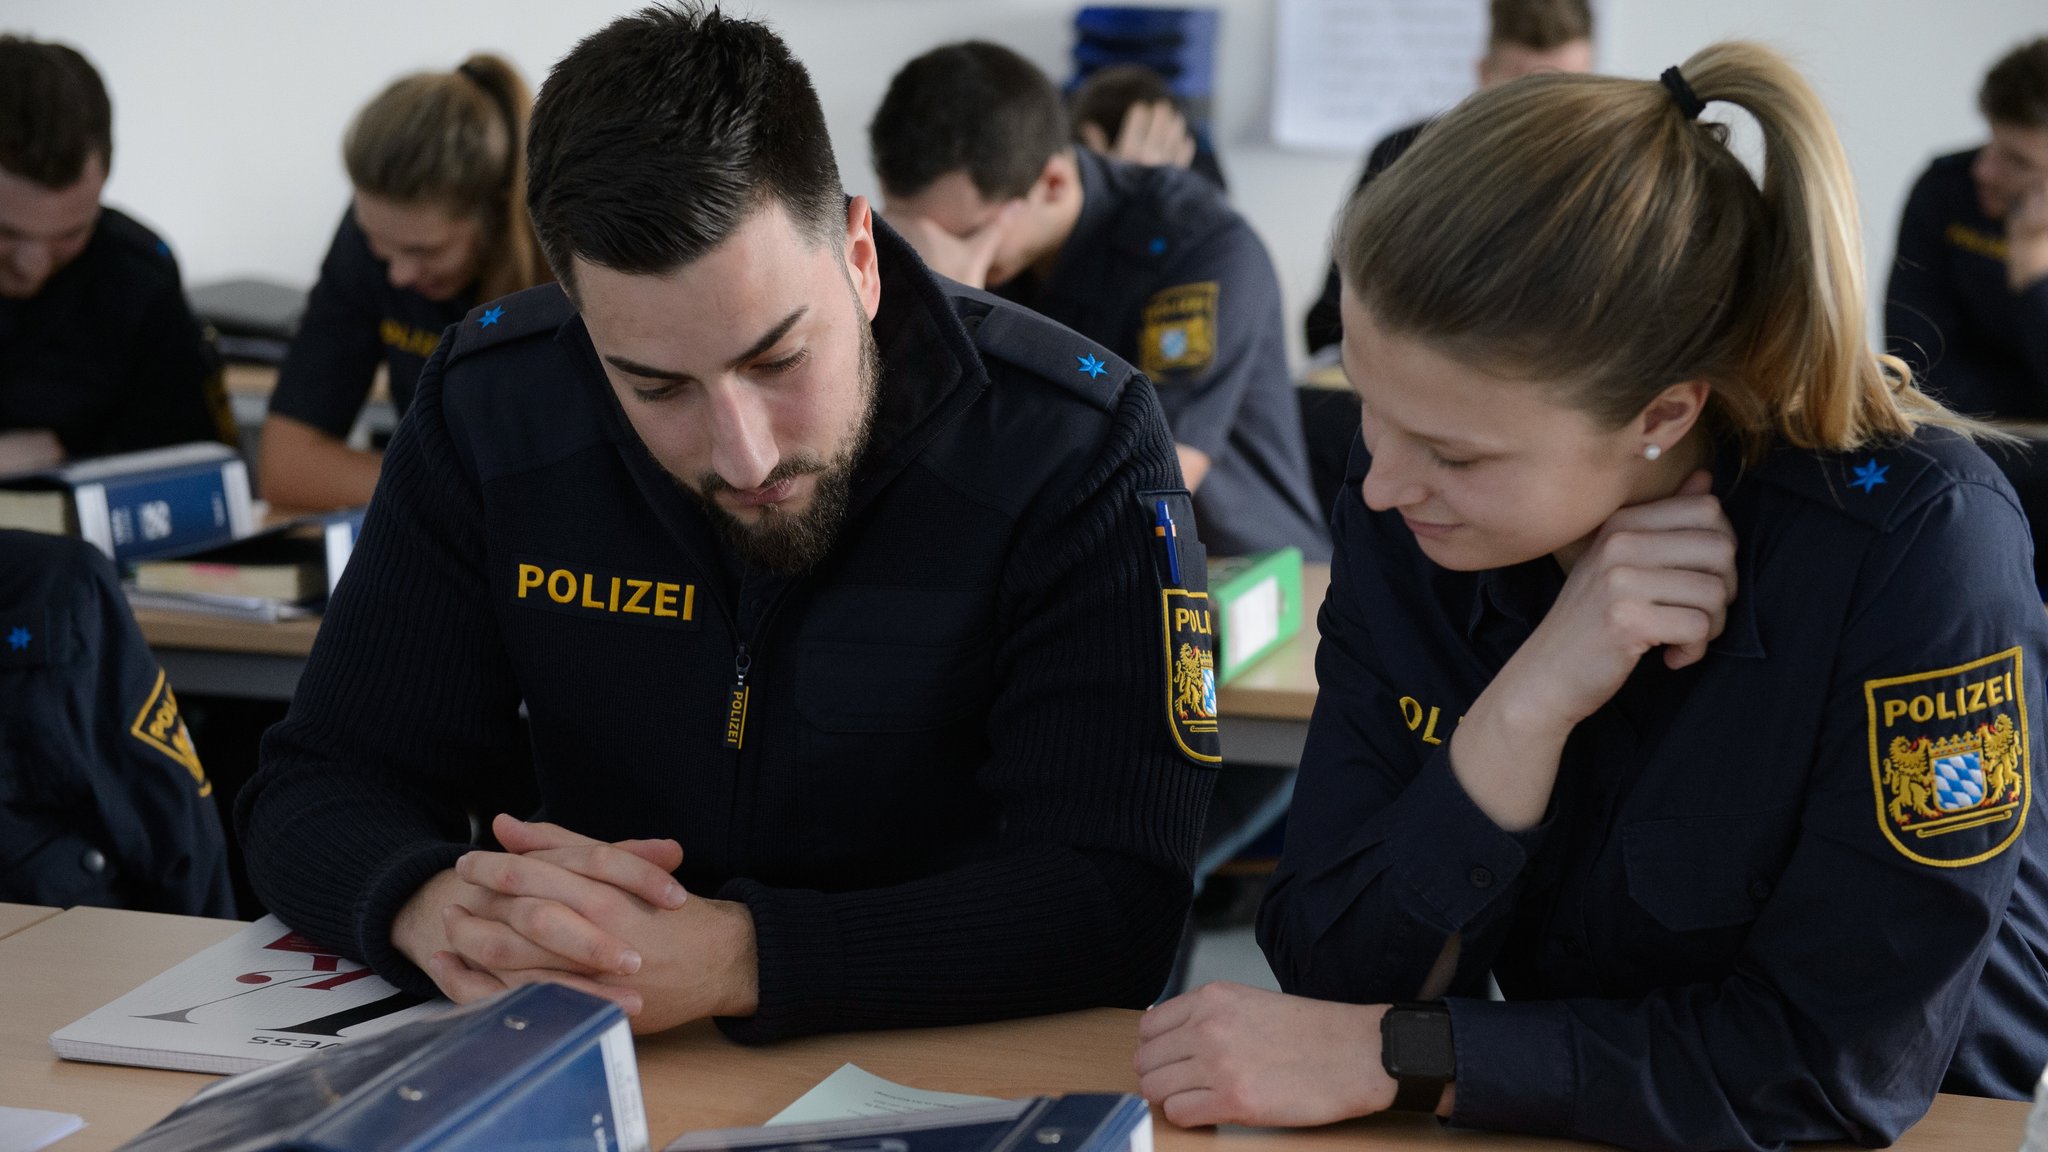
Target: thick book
1258,607
263,995
296,561
1091,1122
138,504
541,1068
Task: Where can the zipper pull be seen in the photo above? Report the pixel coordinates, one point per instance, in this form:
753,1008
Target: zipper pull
736,707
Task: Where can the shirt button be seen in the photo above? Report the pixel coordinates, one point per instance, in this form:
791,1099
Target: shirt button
93,862
1481,877
1760,890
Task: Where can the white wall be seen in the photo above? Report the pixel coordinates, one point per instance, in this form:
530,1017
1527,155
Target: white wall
228,113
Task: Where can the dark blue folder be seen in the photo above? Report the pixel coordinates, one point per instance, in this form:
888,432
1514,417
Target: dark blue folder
541,1068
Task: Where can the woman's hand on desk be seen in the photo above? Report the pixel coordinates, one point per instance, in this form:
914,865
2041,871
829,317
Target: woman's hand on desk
1228,1054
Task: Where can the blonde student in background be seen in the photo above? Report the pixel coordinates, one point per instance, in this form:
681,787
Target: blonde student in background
1735,644
437,225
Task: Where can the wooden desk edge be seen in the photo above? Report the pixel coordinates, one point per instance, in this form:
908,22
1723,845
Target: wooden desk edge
166,629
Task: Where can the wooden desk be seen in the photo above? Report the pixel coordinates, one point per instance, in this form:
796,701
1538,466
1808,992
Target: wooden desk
15,917
1265,710
64,967
216,656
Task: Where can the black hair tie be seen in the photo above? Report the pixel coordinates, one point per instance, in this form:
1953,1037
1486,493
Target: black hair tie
1689,102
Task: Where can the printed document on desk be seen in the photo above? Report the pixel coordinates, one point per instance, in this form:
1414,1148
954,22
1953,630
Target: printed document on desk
854,1091
262,995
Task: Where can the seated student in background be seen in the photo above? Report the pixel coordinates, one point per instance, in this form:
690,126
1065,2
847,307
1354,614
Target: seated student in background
1968,301
438,223
1680,666
102,798
971,146
828,587
1126,112
1524,37
99,352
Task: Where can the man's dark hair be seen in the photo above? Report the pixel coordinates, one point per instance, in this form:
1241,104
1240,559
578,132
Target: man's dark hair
1108,93
975,106
2016,89
54,114
660,134
1540,24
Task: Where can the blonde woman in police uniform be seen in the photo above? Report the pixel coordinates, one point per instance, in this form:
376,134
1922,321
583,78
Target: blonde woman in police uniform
1680,667
437,224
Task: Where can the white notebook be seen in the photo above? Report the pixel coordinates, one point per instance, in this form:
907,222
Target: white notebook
263,995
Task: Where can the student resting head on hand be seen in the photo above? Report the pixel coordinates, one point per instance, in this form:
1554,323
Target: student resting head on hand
1678,669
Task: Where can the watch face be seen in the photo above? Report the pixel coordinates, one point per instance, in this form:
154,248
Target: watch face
1418,1045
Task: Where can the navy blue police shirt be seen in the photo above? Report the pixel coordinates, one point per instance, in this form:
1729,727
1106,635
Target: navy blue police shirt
956,771
108,355
1950,310
355,320
103,800
1164,272
1785,894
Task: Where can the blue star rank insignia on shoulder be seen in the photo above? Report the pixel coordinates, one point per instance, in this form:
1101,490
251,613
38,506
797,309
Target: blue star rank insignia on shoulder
1870,475
1949,759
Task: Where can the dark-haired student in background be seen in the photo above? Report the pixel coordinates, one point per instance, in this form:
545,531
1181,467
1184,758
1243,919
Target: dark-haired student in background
1127,112
99,351
978,170
438,222
1968,300
1524,38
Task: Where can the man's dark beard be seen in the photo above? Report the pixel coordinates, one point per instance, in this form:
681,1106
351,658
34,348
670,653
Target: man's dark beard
786,543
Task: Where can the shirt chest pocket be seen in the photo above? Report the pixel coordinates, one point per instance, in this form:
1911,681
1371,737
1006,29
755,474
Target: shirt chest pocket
1697,873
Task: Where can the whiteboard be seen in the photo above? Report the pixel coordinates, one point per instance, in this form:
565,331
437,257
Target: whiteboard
1347,72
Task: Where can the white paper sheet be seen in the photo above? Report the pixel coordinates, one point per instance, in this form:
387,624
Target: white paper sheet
1347,72
854,1091
27,1129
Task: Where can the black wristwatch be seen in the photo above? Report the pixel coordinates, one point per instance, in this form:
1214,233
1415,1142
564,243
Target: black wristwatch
1415,1049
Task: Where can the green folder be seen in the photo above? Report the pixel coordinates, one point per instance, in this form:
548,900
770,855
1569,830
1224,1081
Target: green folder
1257,606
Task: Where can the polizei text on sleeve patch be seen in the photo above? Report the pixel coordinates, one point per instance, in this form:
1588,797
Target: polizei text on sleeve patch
1950,761
1191,673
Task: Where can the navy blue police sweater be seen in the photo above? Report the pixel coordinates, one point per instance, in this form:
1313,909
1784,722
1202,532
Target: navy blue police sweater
979,740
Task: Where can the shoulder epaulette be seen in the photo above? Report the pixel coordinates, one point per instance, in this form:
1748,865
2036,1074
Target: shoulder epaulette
1883,484
1053,352
541,309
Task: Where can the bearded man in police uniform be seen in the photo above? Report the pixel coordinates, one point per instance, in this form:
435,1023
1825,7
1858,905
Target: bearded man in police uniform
844,604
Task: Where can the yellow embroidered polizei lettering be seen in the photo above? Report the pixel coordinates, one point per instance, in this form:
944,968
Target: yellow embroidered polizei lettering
1950,759
159,726
586,592
404,337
